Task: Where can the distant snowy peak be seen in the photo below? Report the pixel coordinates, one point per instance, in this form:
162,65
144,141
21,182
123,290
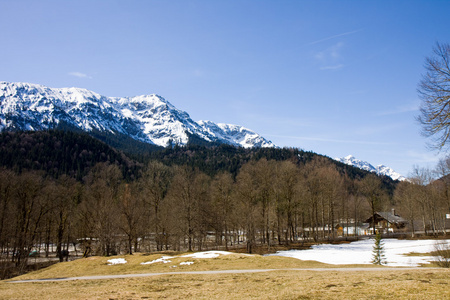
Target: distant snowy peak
380,169
352,161
147,118
235,135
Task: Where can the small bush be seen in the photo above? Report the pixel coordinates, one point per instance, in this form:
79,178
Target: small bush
442,254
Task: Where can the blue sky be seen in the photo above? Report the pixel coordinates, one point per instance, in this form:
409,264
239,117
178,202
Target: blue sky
333,77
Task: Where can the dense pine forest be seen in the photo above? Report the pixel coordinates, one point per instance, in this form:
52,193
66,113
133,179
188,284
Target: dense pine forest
59,152
63,188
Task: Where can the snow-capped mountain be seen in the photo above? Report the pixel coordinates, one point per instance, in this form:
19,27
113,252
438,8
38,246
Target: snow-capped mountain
147,118
380,169
234,134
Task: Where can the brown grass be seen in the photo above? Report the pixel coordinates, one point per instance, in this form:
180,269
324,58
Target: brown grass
97,265
347,284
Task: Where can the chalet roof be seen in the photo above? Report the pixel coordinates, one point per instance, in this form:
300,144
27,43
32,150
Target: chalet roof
391,217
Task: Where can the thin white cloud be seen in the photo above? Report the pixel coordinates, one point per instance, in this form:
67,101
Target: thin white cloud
332,67
330,58
401,109
281,121
332,52
334,36
424,157
79,75
379,128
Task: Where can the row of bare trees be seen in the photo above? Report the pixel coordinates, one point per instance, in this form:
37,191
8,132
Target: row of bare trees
33,209
425,201
179,208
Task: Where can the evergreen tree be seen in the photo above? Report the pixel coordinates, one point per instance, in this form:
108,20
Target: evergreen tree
378,251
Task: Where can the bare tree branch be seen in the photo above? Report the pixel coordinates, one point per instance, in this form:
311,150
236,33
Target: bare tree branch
434,91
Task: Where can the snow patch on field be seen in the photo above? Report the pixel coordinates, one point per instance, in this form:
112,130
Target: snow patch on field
116,261
205,254
164,259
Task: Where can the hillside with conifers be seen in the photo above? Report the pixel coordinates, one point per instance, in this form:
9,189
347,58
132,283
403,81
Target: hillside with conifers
63,188
59,152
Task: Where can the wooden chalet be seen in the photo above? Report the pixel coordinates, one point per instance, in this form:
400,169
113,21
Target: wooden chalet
387,222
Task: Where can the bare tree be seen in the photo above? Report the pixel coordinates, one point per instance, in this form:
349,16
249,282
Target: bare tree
423,194
434,91
132,214
325,187
223,206
442,253
247,196
100,208
319,201
263,183
188,195
155,185
29,209
7,186
404,197
62,196
443,172
371,189
287,202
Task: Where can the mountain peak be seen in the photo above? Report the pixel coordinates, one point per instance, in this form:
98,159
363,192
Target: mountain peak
380,169
147,118
235,135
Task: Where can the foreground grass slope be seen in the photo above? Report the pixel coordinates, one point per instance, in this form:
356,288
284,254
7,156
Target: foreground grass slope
395,284
281,284
98,265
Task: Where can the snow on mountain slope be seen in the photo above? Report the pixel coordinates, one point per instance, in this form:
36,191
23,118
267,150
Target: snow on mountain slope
147,118
352,161
380,169
235,135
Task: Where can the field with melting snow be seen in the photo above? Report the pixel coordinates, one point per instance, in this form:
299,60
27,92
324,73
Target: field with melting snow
397,253
360,252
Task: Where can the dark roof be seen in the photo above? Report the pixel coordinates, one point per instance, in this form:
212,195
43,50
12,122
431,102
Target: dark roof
391,217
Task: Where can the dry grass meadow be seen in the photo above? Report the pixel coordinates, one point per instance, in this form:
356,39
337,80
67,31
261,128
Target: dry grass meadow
343,283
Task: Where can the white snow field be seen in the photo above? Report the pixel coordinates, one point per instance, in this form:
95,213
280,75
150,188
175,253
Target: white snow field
205,254
360,252
117,261
163,259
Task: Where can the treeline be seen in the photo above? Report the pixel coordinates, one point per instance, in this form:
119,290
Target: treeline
58,152
177,207
212,160
63,188
425,201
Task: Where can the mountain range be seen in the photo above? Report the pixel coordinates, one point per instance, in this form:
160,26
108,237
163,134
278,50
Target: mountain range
149,119
380,169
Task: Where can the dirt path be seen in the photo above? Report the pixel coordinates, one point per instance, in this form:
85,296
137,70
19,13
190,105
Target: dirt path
215,272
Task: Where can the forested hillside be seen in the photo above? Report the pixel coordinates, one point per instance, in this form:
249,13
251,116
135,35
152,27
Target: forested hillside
61,187
216,159
59,152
